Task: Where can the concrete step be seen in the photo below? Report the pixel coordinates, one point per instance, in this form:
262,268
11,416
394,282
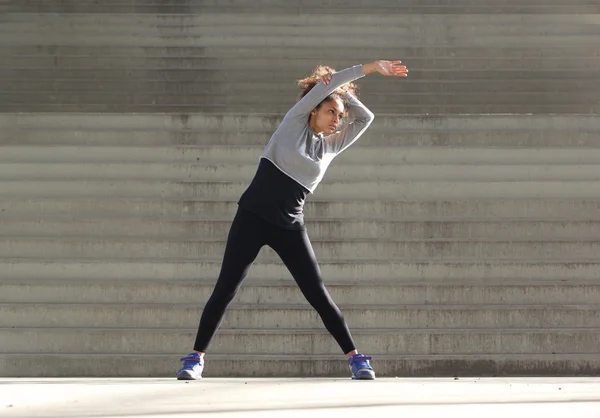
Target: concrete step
156,39
30,208
298,316
374,27
539,103
279,7
267,123
349,292
392,130
310,21
71,268
202,30
166,365
336,173
410,190
541,108
192,76
319,229
288,23
301,341
71,262
285,89
524,145
361,152
328,249
287,78
285,101
314,52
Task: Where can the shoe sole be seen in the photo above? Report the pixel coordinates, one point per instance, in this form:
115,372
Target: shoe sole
364,376
186,376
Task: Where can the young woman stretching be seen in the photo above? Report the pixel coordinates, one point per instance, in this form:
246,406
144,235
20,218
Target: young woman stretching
270,211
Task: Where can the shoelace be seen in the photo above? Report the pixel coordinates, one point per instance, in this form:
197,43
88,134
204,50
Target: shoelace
361,358
190,358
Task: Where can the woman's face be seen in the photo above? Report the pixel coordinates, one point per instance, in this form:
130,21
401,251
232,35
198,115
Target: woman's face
327,118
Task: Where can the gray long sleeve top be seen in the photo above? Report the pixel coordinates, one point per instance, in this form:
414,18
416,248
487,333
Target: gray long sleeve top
301,153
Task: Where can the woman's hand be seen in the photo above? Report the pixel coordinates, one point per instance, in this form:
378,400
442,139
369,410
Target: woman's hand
391,68
387,68
326,78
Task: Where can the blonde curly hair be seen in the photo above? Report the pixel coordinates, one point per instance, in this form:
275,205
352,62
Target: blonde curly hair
306,84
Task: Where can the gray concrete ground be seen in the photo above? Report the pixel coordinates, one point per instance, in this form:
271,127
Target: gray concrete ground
401,397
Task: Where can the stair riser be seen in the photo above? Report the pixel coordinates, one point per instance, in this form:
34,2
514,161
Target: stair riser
417,29
236,123
275,10
428,141
329,250
480,270
54,82
301,343
312,21
428,191
281,102
337,172
314,52
130,366
339,41
251,292
143,316
31,208
318,230
176,78
406,107
362,153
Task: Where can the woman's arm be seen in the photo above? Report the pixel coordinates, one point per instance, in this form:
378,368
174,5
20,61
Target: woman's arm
360,117
387,68
331,83
320,91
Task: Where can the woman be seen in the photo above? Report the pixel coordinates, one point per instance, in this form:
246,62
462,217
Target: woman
270,211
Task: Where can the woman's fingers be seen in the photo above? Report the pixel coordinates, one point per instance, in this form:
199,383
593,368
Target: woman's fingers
326,79
399,70
392,68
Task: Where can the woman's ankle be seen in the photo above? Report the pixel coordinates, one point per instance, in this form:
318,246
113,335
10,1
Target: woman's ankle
351,353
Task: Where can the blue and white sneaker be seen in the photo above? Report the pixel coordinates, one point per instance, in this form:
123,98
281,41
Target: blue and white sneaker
361,368
192,368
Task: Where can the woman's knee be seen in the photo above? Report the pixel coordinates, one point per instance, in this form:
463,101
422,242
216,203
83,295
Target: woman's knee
221,298
321,300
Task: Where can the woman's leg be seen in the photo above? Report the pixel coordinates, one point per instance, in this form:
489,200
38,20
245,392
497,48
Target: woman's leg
244,241
297,253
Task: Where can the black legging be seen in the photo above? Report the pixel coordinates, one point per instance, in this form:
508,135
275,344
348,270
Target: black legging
248,234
